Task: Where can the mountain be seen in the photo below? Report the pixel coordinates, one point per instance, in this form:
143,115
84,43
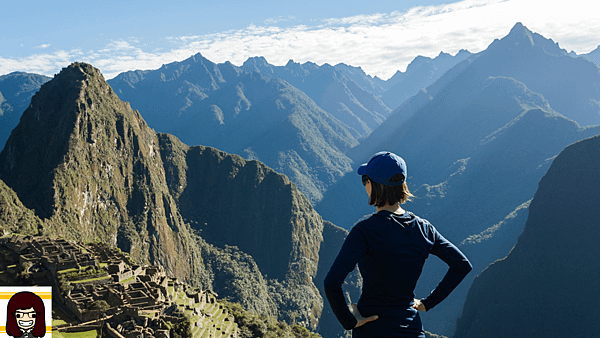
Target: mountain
374,85
244,113
593,56
420,73
356,107
14,216
554,260
478,140
83,165
16,90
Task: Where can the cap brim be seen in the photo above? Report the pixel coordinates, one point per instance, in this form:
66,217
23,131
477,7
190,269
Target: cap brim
362,170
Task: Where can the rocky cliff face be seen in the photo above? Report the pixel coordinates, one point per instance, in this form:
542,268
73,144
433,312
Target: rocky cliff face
256,116
89,165
91,169
14,216
234,202
546,286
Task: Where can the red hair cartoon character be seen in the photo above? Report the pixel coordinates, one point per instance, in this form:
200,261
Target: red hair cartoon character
25,317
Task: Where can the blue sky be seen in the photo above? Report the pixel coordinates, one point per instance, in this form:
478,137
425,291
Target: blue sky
115,36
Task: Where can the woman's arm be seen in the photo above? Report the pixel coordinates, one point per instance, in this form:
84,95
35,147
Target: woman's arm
353,249
458,268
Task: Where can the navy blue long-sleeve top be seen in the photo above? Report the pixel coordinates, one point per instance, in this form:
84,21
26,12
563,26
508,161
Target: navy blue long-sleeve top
390,251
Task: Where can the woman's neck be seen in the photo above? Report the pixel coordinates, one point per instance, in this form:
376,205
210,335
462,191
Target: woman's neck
393,208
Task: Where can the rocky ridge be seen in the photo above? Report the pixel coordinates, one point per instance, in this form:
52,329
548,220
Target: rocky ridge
90,169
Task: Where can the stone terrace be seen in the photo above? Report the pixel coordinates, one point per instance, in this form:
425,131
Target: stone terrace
103,289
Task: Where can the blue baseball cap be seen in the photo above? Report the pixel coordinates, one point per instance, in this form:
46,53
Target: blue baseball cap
383,166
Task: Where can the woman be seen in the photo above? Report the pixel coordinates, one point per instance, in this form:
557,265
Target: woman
25,316
390,249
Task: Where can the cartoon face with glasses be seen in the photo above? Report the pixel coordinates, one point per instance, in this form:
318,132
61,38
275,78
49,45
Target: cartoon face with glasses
25,316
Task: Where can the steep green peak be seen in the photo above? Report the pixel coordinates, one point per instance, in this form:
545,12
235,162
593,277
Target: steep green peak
74,118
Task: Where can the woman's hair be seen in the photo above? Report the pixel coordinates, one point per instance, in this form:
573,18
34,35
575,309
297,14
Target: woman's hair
383,194
25,300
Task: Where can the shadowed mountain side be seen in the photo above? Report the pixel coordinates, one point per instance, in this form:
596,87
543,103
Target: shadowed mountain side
92,169
497,240
88,165
247,114
502,173
16,90
438,140
245,204
553,263
262,224
293,135
14,216
421,73
358,109
491,185
478,192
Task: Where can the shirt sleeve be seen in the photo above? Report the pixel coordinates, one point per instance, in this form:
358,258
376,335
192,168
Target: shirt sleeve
458,268
354,248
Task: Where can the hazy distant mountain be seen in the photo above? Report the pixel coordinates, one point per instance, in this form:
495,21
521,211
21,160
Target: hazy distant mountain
420,73
593,56
374,85
356,107
553,262
478,140
83,165
16,90
244,113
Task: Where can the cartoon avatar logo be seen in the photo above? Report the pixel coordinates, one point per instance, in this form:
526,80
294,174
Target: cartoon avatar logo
25,316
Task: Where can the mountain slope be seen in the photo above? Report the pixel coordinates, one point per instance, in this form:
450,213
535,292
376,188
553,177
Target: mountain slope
16,90
91,169
245,113
14,216
593,56
420,73
85,161
468,137
357,108
555,259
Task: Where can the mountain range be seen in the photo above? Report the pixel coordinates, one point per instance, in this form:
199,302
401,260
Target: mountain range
546,286
300,119
478,136
16,90
83,165
476,143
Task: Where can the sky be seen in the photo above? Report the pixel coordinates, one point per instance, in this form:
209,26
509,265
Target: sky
380,37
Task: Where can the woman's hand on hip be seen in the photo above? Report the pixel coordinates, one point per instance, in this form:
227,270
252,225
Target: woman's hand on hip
418,305
360,320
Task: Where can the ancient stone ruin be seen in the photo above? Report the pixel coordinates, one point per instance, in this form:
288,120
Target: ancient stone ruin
101,288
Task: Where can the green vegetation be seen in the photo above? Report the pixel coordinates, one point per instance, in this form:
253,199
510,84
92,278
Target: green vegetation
90,279
128,280
84,272
83,334
255,325
108,177
181,329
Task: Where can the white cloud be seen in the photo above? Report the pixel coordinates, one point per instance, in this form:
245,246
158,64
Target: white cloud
44,46
379,43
